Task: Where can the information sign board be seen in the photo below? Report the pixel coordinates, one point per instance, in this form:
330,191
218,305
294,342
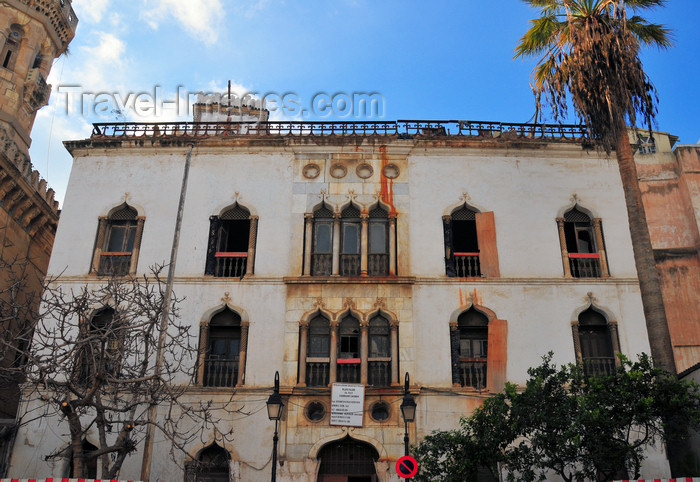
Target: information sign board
347,404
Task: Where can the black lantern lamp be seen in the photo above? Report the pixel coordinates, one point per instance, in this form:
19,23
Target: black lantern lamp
408,410
274,412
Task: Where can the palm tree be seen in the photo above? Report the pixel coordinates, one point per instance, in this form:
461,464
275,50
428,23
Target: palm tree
589,49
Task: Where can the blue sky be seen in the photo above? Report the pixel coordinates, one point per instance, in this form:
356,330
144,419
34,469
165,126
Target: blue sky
428,60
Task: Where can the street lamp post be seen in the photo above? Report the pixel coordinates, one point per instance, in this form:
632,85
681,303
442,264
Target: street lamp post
408,410
274,412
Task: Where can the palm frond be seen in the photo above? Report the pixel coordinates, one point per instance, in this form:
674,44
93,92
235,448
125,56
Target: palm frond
652,34
540,36
644,4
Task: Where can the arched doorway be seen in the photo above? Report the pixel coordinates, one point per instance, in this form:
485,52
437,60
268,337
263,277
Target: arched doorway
347,460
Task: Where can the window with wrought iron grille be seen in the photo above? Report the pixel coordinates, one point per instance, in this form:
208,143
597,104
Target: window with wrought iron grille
100,348
348,351
596,343
223,343
470,243
118,242
582,245
231,247
211,465
470,350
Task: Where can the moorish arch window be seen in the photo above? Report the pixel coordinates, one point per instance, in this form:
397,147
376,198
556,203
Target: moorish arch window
231,246
596,343
101,347
348,459
10,50
350,243
212,465
348,351
478,345
470,243
118,242
223,345
582,245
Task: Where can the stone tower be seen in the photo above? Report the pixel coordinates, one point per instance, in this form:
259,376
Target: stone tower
32,34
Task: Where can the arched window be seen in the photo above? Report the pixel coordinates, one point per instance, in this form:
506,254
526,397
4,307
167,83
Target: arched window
470,350
378,242
582,246
223,352
12,46
319,352
212,465
596,343
99,347
231,247
350,228
322,250
470,243
118,242
349,350
379,363
348,459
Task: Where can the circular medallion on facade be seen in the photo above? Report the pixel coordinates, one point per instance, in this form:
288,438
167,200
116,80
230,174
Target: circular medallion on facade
311,171
315,411
380,412
391,171
338,171
364,171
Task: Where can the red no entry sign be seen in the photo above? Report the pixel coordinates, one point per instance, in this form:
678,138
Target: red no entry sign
406,467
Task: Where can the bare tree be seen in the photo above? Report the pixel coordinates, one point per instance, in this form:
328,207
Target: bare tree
91,363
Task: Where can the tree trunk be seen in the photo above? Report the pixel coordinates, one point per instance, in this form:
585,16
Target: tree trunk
649,282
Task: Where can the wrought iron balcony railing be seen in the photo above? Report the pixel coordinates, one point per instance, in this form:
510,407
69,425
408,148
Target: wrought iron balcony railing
379,373
595,366
472,373
585,265
403,129
378,264
230,265
467,265
349,370
350,265
114,264
220,372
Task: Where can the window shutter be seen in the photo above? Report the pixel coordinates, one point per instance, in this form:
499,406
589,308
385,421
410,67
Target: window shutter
450,269
488,251
214,225
497,355
454,352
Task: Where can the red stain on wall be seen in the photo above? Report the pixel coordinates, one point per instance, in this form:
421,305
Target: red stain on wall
387,185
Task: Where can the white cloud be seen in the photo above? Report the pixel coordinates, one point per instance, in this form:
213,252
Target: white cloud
90,11
200,18
103,65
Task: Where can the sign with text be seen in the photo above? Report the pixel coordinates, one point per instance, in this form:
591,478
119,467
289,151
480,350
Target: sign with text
347,404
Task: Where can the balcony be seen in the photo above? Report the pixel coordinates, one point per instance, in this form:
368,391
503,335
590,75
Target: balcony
472,372
114,264
350,265
349,370
585,265
379,373
220,372
467,265
321,264
230,265
36,90
318,373
595,366
378,264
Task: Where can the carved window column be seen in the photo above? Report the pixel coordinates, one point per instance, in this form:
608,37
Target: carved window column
612,326
252,238
394,352
334,352
364,351
99,242
336,246
392,245
454,352
242,353
564,251
203,343
598,230
309,227
577,342
303,341
363,244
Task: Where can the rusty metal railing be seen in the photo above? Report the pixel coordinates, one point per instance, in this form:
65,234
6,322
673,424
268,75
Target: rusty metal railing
403,129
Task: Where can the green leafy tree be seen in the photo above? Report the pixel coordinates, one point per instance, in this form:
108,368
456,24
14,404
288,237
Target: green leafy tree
590,50
581,428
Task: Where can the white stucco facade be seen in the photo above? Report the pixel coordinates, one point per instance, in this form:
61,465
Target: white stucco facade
526,184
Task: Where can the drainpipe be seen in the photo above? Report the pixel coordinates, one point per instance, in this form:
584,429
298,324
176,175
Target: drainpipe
153,408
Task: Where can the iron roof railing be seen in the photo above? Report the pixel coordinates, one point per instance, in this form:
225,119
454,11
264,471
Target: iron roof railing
405,129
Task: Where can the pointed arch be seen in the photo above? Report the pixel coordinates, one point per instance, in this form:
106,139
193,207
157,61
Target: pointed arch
347,433
478,346
210,462
470,241
581,242
316,348
232,241
596,339
118,241
223,345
